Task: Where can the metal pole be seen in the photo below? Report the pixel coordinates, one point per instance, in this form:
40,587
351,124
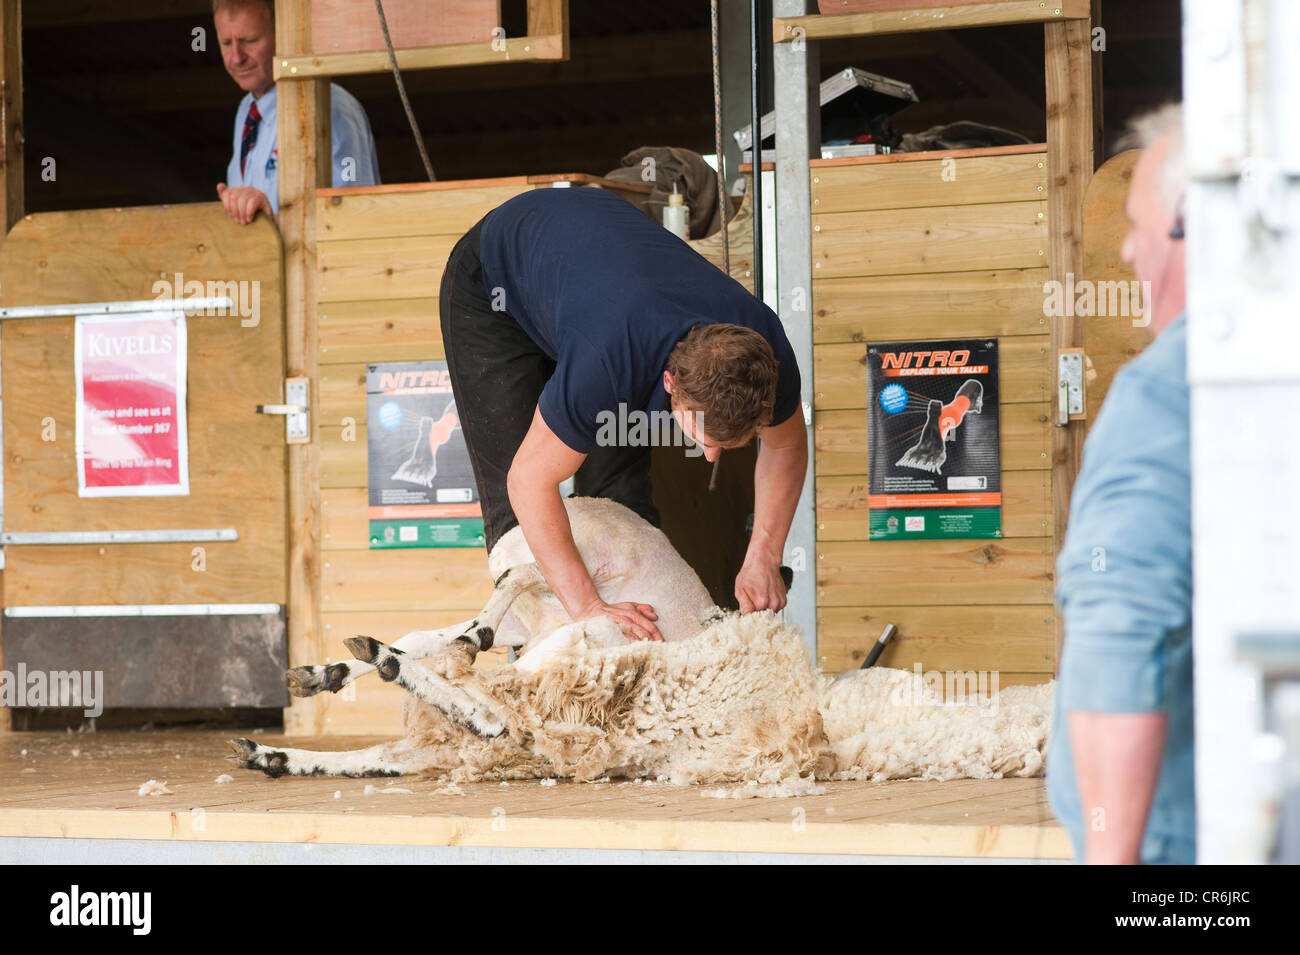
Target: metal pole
798,133
1243,290
756,135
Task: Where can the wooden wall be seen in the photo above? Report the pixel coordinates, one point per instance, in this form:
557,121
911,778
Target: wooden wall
381,255
919,246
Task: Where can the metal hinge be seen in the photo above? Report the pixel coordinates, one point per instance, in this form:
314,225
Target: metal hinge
1069,386
294,409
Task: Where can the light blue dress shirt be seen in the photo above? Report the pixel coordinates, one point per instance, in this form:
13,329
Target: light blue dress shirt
352,146
1124,585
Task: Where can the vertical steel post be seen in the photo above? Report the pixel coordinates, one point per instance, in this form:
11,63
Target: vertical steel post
798,138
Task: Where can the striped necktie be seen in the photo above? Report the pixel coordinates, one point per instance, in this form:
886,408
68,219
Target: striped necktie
251,122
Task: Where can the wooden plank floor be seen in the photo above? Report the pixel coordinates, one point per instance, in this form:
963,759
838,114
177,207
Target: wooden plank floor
85,786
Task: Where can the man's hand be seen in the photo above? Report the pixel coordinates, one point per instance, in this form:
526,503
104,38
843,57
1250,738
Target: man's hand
243,202
759,586
636,621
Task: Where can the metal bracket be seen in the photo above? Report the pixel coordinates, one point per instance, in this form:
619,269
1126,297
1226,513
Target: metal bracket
294,409
222,303
1069,386
165,536
142,610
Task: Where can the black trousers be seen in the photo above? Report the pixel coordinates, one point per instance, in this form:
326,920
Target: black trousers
497,375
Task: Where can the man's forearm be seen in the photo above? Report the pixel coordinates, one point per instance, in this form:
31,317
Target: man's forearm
1117,758
778,481
545,523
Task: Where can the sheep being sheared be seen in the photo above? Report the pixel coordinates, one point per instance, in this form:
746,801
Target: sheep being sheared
736,702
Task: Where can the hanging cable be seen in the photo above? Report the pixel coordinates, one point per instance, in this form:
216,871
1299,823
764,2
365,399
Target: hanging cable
401,91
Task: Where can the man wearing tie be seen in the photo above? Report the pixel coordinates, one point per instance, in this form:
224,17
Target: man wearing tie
246,32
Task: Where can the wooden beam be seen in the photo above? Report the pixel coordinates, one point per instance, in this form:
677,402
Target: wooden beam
11,159
303,113
911,20
550,18
509,50
11,110
1070,160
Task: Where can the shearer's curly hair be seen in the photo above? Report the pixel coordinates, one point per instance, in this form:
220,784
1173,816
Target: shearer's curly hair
728,373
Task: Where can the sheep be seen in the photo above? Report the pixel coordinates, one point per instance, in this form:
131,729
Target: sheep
727,698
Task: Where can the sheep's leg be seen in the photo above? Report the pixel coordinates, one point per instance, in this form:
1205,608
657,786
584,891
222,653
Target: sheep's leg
480,633
386,759
453,701
570,640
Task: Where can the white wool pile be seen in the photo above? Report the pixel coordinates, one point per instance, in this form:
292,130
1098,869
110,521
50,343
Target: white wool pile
892,724
739,703
736,703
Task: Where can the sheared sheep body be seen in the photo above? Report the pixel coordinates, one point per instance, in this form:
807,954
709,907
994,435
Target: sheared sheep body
738,701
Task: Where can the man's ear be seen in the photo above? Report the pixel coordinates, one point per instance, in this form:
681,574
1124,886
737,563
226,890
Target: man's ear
668,381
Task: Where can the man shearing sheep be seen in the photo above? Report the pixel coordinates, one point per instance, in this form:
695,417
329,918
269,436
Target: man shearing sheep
564,306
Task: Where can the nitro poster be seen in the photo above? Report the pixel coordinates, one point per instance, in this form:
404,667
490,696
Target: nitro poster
131,431
935,467
422,490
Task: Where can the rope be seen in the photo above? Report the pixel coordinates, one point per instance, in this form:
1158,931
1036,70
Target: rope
401,91
717,145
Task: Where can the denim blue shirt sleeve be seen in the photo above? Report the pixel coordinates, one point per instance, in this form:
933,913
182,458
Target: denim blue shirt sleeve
1124,577
352,146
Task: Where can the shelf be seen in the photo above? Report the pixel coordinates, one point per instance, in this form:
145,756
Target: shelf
510,50
827,26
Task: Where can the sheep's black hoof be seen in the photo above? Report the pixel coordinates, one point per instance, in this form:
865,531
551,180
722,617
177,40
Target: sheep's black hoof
245,751
364,649
389,668
276,765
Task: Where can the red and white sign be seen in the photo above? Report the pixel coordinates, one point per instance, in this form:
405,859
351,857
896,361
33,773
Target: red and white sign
131,431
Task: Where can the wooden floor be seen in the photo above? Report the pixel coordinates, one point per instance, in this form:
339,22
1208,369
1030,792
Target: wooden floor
85,786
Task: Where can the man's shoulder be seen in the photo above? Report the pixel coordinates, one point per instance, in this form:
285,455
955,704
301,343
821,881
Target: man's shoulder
1164,361
342,100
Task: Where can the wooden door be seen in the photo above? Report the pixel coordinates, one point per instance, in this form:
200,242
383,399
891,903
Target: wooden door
212,626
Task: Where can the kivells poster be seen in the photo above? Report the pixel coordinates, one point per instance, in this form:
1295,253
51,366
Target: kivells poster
131,431
422,489
935,463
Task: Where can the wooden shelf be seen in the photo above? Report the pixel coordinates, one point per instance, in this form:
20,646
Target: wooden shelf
827,26
522,49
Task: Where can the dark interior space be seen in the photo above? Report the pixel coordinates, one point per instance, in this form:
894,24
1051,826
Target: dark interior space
132,114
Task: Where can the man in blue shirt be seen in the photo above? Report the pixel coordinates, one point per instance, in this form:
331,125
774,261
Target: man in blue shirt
246,32
565,310
1120,770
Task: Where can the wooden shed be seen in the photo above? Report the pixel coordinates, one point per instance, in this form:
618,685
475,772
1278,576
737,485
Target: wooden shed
930,245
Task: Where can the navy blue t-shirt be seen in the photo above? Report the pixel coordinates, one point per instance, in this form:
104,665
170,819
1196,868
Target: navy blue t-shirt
606,292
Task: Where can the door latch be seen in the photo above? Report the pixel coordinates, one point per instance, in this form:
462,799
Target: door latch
294,410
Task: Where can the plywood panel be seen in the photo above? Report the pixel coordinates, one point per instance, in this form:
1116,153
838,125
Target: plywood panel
345,26
1006,235
840,373
1016,638
840,439
388,330
931,305
94,796
433,579
237,457
345,524
145,573
951,181
385,215
369,269
343,456
842,505
947,572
